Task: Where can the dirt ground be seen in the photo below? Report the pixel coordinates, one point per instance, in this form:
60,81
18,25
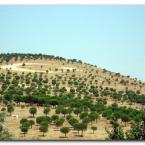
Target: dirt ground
82,70
53,133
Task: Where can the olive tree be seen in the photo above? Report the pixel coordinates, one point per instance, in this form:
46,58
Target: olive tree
10,108
94,128
46,110
65,130
43,128
33,111
32,122
24,130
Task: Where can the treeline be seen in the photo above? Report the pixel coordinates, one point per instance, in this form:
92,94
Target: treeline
129,95
8,56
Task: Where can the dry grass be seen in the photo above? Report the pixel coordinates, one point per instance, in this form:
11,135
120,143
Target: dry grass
82,71
13,125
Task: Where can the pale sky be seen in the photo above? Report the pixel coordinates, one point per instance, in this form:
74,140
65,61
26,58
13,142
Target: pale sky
111,37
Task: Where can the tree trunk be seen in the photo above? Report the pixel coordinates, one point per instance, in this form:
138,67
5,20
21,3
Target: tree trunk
78,132
82,133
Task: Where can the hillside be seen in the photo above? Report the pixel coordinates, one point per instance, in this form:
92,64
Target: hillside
74,94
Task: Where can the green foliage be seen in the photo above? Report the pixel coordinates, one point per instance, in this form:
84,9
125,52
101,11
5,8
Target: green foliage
24,129
93,116
88,101
125,118
77,111
26,124
80,127
65,130
86,120
83,115
10,108
54,117
46,110
1,128
116,133
137,132
5,135
114,107
33,111
41,119
94,128
69,117
8,96
23,120
59,122
2,117
32,122
72,121
58,110
64,111
43,128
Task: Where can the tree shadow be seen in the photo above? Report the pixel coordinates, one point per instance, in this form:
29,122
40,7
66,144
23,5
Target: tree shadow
30,117
63,137
78,135
22,135
56,129
41,135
